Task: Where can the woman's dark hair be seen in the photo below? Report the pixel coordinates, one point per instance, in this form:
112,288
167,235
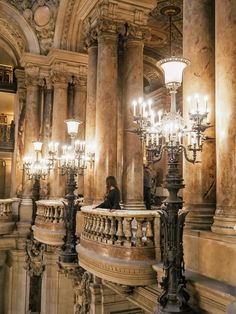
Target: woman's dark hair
111,182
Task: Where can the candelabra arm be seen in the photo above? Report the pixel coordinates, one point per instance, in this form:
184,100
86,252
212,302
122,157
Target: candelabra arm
160,154
193,161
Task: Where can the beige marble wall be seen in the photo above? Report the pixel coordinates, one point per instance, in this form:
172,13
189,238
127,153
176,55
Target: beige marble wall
106,112
199,78
225,217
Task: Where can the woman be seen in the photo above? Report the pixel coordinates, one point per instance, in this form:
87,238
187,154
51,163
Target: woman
112,196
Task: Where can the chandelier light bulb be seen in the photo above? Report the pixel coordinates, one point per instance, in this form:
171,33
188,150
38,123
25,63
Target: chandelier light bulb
72,126
37,146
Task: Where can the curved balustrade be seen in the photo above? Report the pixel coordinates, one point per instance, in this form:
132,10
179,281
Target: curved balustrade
6,216
120,245
49,227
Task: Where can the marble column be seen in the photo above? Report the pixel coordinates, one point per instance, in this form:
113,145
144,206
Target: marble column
47,117
57,291
79,109
225,216
31,133
16,283
59,131
199,193
19,119
106,111
133,153
90,119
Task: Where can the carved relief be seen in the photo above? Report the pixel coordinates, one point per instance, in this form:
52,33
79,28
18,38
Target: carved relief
41,15
82,294
34,257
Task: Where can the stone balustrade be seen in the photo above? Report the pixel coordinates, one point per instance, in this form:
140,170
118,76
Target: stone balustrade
6,216
121,245
49,225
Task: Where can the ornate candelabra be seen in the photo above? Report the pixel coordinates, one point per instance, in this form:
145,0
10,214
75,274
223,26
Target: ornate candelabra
168,132
36,168
71,162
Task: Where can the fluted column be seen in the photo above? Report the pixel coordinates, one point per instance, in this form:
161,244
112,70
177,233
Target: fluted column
59,115
90,118
133,155
106,110
225,216
200,191
80,94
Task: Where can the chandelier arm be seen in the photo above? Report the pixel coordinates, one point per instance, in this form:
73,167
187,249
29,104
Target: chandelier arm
160,154
193,161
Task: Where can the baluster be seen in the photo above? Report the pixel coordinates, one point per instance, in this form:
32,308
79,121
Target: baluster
149,232
90,225
112,231
101,230
47,216
139,233
93,228
86,224
61,216
128,232
56,215
97,228
107,229
120,232
1,209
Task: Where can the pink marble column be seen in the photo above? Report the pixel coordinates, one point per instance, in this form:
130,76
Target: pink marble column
199,78
225,45
106,111
133,153
90,119
59,115
79,110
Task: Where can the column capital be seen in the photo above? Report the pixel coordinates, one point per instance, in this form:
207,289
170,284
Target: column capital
59,79
137,33
80,83
31,81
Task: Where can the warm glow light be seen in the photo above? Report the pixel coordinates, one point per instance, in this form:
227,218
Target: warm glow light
72,126
37,146
173,68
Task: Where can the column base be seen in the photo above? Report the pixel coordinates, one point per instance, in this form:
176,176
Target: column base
134,206
200,216
224,223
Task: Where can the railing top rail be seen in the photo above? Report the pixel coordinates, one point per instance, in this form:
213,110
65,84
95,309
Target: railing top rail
6,201
50,203
119,213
